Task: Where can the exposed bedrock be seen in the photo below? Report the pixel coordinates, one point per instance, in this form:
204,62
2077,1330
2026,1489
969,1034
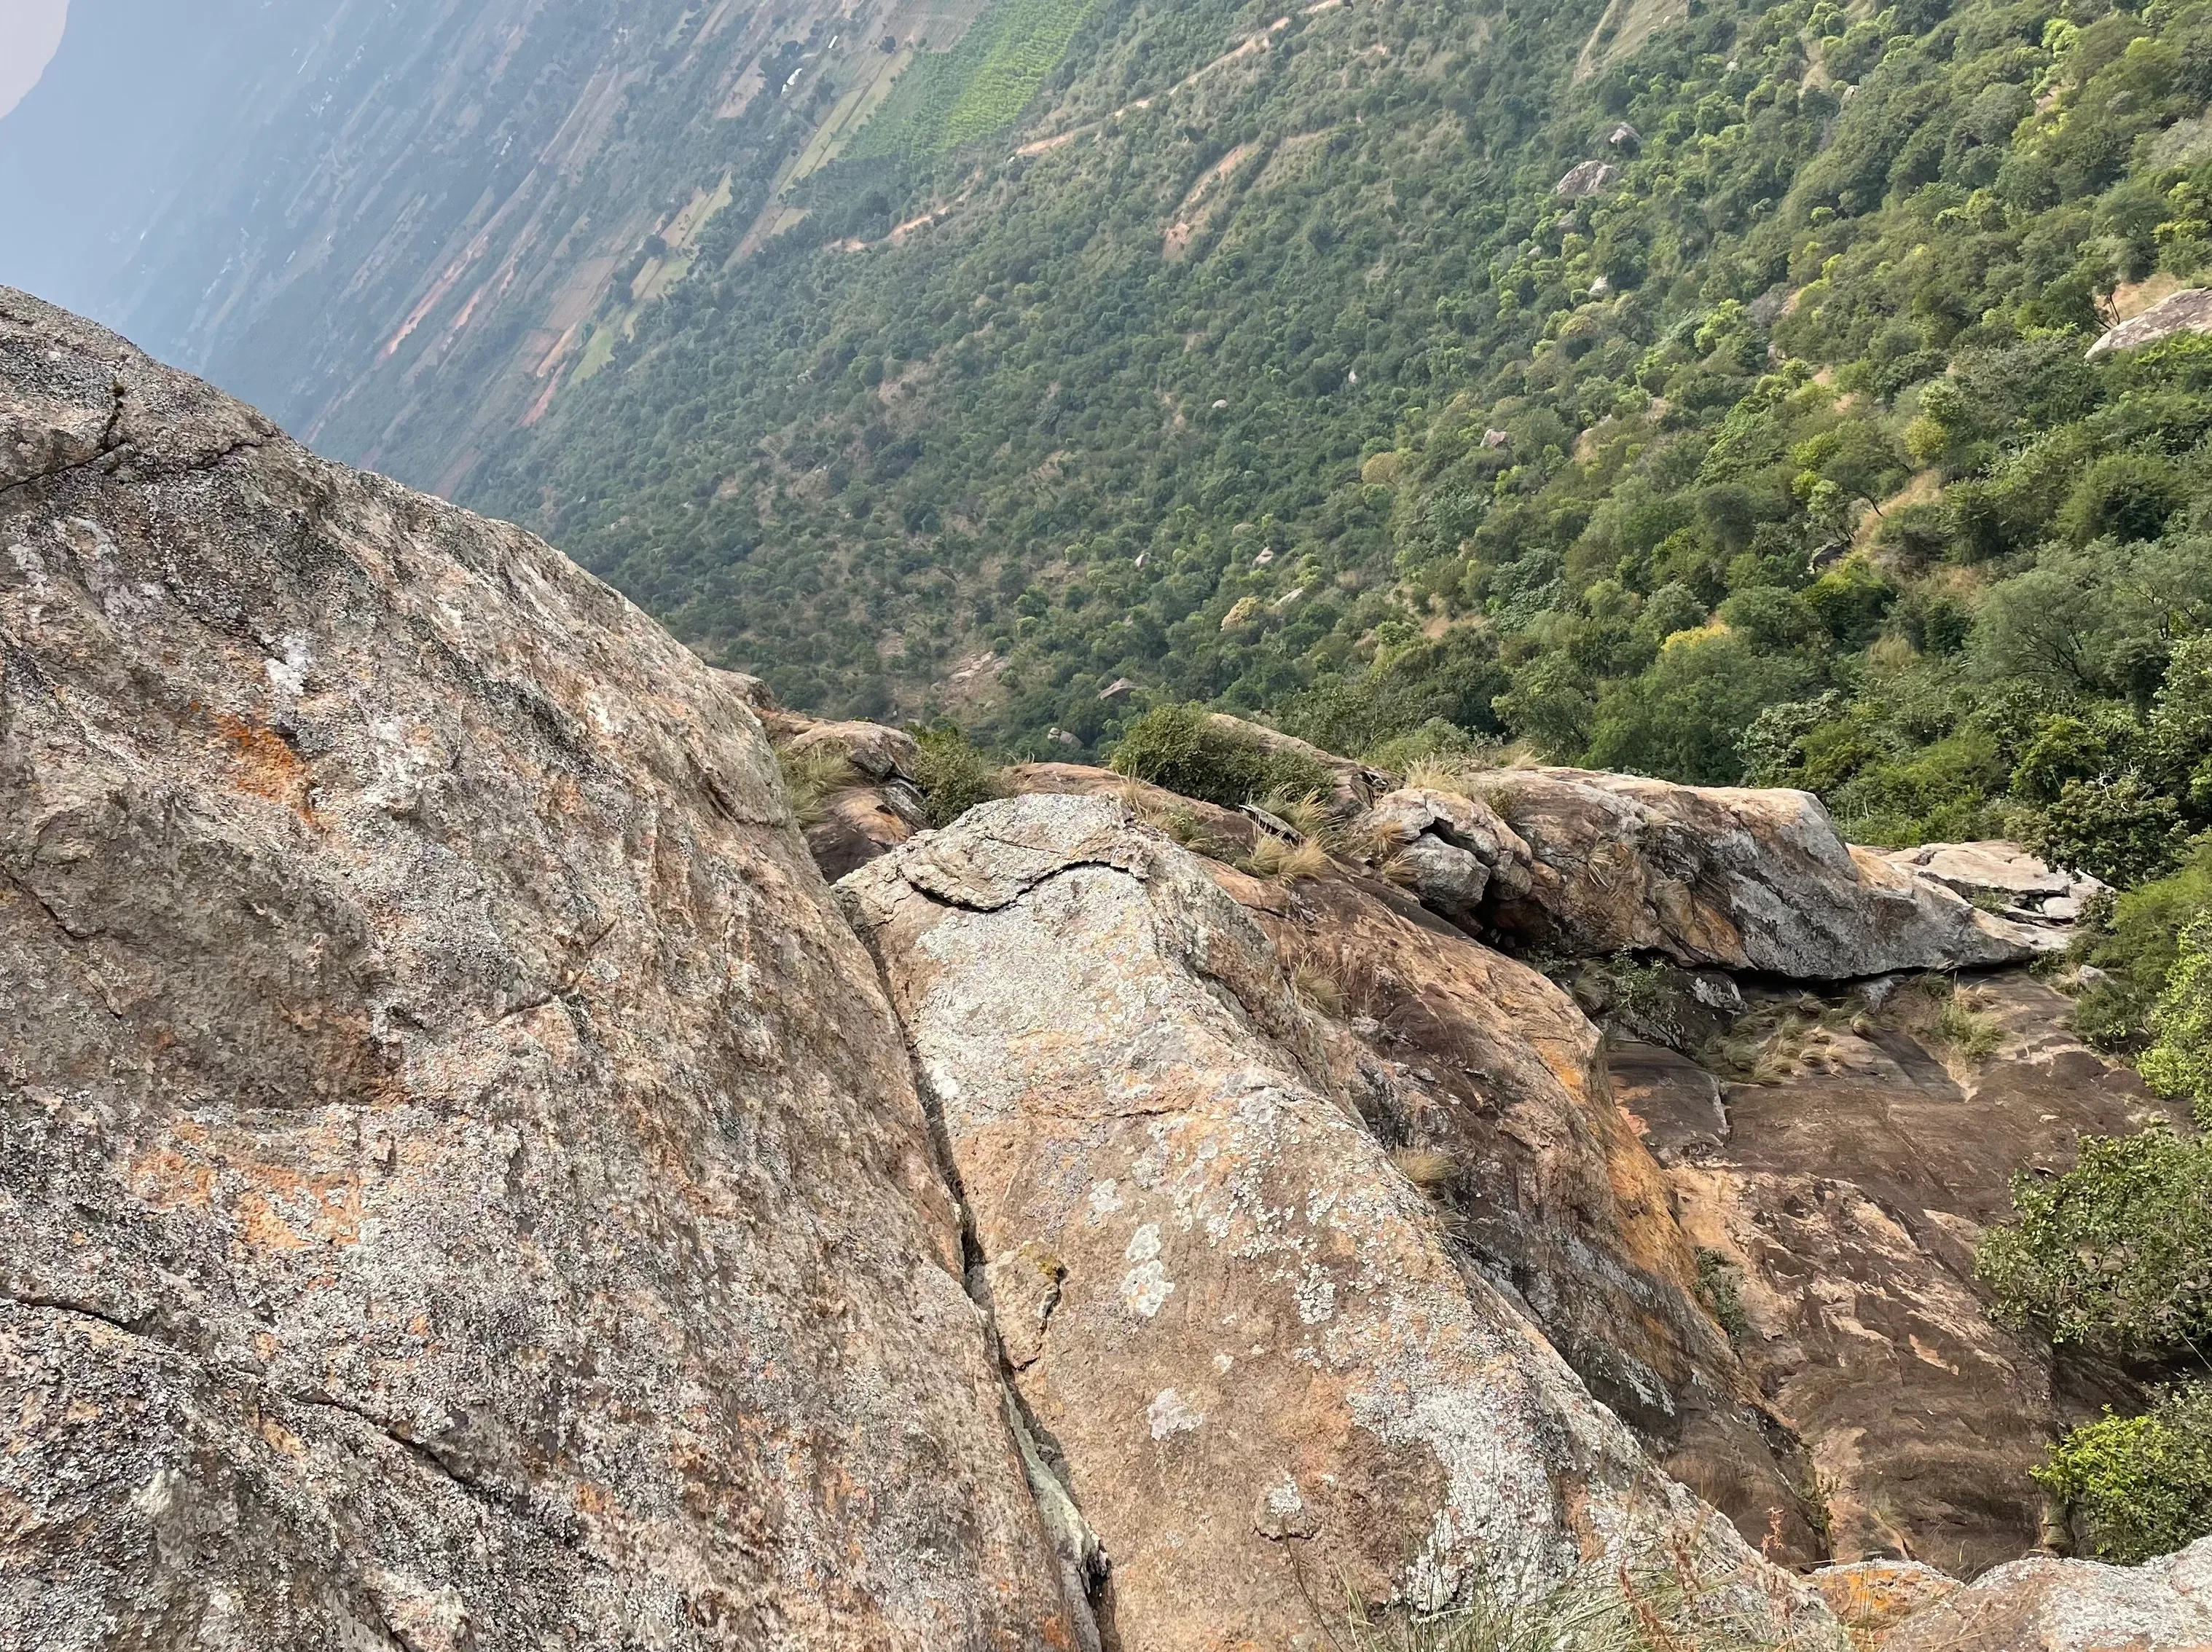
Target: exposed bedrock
462,1184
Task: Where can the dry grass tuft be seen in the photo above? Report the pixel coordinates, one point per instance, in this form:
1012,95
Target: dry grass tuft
814,779
1428,1170
1286,863
1304,812
1321,990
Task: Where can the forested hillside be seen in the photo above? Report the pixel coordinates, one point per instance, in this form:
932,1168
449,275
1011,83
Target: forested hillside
1280,364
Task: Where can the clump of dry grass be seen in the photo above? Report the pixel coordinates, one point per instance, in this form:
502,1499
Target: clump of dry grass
1176,820
1319,988
1428,1170
1330,978
1962,1025
1272,857
815,778
1306,813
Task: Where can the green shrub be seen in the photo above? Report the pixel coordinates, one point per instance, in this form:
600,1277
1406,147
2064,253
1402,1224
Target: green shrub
2119,831
2116,1254
1181,748
2134,947
1722,1295
2179,1061
2142,1487
1432,741
953,775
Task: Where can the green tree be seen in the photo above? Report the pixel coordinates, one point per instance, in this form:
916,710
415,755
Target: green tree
2116,1254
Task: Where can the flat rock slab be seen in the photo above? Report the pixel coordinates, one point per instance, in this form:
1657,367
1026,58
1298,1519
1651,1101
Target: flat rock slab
1848,1193
2043,1605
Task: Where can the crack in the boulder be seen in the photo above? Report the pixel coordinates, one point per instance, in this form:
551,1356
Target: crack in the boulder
44,906
507,1502
1084,1565
945,898
70,1305
203,462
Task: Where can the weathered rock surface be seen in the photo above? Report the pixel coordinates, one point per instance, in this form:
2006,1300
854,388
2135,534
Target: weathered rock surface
1846,1197
1490,1086
1739,879
1454,851
462,1184
2033,892
1261,1372
878,807
2043,1605
2190,310
1871,1598
1585,178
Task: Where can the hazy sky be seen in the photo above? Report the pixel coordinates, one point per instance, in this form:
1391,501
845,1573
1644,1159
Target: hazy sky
29,31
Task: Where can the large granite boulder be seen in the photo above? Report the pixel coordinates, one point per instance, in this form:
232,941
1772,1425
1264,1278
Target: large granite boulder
1730,876
463,1186
1261,1370
1490,1086
2186,311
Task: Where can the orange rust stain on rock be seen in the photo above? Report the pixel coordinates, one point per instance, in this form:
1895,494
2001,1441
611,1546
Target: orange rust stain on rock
258,1222
264,764
280,1437
276,1208
166,1178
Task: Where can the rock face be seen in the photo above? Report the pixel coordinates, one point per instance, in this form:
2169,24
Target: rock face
2042,1605
463,1186
873,806
1258,1365
1742,879
1490,1086
1584,178
1454,851
1845,1198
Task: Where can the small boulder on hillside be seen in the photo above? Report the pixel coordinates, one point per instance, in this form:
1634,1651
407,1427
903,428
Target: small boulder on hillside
1452,851
1587,178
2190,310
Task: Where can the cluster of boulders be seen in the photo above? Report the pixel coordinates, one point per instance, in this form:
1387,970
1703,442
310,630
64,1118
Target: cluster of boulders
471,1184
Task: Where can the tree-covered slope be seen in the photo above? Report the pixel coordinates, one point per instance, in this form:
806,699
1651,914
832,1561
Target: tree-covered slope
1276,366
